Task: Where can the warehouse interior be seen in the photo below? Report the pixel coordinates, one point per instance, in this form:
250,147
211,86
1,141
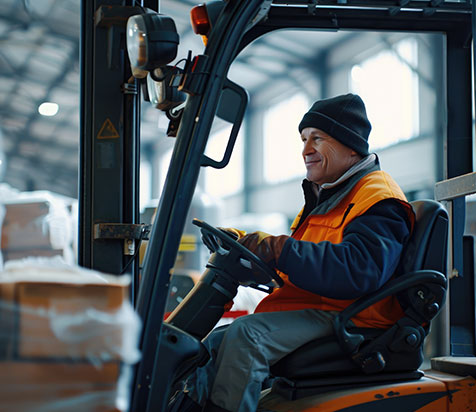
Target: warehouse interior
283,72
399,75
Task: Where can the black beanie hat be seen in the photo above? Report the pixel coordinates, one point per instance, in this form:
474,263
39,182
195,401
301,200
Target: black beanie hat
344,118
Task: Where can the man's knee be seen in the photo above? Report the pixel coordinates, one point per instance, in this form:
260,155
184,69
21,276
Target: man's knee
213,341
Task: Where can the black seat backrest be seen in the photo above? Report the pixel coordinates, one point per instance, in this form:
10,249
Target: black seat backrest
427,247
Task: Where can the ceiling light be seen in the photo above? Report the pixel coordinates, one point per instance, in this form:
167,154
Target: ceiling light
48,109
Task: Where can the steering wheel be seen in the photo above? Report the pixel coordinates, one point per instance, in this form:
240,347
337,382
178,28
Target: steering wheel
239,262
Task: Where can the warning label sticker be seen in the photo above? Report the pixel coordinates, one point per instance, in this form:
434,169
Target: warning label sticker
107,131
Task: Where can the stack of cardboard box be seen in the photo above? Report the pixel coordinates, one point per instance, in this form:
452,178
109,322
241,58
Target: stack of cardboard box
67,341
37,224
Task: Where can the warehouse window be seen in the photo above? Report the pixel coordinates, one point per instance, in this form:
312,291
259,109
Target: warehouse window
282,144
145,184
164,163
389,87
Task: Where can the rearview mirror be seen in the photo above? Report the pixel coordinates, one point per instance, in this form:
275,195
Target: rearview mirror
231,100
231,108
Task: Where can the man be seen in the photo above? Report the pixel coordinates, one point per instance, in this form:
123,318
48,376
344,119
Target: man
346,242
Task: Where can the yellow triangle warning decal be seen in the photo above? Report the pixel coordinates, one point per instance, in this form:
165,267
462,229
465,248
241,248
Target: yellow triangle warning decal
108,131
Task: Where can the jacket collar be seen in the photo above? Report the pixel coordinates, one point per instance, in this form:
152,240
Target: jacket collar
363,164
320,200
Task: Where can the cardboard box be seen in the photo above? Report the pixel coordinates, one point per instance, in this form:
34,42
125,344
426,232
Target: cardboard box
65,320
25,226
67,338
57,320
37,225
72,387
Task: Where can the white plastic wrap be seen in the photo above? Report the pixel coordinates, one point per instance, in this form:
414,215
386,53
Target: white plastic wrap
98,335
37,224
68,338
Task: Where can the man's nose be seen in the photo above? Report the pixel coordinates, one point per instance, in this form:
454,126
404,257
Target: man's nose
308,148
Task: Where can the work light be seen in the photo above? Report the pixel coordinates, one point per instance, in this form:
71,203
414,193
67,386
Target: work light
152,41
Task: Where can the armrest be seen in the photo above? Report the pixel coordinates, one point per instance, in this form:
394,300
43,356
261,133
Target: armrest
351,342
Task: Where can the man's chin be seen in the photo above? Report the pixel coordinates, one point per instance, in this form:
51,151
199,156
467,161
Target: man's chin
312,178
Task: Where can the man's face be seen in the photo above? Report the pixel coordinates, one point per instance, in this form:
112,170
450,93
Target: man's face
326,159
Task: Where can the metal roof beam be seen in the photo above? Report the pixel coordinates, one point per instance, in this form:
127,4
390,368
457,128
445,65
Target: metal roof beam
391,5
71,62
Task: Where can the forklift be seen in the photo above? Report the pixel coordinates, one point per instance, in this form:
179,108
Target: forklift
124,41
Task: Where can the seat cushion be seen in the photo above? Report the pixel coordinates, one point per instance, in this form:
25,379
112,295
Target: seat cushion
324,357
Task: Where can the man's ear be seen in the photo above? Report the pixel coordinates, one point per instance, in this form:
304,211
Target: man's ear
356,157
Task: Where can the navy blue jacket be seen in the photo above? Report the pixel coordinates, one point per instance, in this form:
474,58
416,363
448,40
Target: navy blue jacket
365,259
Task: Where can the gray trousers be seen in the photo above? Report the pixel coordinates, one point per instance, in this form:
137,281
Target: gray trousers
243,352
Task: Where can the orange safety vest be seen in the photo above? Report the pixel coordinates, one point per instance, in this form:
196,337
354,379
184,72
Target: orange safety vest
369,190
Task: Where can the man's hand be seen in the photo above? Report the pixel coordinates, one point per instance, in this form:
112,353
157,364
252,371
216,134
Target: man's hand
265,246
234,233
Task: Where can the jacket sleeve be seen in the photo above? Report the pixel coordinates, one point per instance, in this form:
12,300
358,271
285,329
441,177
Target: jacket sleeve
365,259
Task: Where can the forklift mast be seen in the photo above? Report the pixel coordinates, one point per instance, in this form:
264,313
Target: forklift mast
110,145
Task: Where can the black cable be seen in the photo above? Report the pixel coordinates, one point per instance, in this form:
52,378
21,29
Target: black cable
180,61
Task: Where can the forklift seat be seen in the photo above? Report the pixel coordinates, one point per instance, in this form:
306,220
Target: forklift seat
363,356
